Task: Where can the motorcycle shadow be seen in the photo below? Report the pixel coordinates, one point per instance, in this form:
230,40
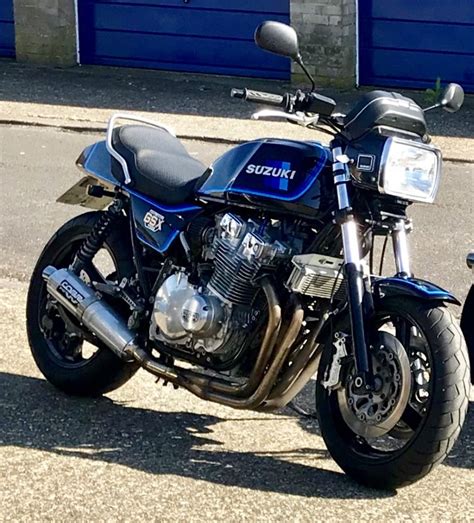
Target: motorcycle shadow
462,454
35,415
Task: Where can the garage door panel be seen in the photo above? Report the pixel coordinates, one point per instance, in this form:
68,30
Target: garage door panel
435,37
7,29
414,69
256,6
410,44
189,68
171,21
458,11
183,50
202,36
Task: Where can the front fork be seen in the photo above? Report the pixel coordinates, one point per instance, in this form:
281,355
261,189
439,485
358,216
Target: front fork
358,286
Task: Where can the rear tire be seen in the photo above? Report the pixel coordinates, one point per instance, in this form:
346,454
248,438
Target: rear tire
437,428
104,371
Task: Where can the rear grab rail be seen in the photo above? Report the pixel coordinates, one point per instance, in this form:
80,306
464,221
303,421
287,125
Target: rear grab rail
133,118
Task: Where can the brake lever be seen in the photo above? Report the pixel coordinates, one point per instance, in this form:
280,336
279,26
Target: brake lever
298,118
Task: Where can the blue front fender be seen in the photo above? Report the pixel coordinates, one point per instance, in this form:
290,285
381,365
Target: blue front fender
421,289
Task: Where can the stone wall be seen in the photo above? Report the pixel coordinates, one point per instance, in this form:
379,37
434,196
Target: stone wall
327,31
45,31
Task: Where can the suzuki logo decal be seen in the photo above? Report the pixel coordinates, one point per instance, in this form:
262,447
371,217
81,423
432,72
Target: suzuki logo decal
280,171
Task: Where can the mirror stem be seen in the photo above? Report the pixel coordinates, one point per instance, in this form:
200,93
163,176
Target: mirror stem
299,61
431,107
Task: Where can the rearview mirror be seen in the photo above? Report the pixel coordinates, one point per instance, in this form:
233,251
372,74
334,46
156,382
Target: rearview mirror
278,38
453,98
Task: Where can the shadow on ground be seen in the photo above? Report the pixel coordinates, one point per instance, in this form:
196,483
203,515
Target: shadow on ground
178,93
35,415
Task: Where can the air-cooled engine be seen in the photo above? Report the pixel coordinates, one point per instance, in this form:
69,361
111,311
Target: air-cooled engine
242,249
204,316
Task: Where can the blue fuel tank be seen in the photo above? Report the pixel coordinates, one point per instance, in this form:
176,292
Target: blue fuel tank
279,175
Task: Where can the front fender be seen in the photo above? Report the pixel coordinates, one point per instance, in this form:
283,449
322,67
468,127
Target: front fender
421,289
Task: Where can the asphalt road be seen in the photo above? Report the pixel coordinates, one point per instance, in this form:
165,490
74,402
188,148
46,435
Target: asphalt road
148,452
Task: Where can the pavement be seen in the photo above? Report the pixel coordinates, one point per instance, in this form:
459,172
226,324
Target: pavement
196,106
146,452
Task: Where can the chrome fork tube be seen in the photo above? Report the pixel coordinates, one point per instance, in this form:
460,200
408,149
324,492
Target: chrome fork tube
352,266
400,248
350,237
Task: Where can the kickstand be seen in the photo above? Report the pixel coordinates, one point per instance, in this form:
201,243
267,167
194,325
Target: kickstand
302,412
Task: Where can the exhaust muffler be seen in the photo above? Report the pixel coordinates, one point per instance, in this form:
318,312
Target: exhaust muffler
98,317
81,301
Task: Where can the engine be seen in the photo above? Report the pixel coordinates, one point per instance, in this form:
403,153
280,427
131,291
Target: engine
204,316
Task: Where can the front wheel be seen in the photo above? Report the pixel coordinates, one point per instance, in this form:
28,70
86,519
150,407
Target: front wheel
394,435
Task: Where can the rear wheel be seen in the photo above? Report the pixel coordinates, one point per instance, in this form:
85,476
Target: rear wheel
71,359
394,435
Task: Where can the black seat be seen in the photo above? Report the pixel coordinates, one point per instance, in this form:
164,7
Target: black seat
158,163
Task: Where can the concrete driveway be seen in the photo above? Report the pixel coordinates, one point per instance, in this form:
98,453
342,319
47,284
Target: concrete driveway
151,453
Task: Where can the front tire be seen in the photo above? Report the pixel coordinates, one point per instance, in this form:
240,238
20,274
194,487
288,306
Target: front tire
424,437
64,364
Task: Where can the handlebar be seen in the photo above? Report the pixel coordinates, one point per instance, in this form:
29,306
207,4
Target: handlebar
291,103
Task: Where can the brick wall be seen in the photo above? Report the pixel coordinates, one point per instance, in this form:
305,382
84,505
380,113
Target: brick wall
327,31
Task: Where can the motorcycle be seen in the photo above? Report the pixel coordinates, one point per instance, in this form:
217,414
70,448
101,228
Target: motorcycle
241,281
467,317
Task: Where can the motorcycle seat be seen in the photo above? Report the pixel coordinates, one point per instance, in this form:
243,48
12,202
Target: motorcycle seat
158,163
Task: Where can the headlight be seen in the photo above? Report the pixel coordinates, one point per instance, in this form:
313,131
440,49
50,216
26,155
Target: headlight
410,170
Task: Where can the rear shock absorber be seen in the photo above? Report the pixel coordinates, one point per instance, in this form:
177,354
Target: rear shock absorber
92,245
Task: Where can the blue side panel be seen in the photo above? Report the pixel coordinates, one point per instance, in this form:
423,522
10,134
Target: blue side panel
7,29
157,225
208,36
403,43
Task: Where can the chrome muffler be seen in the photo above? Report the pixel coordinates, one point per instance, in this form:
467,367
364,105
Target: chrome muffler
98,317
82,302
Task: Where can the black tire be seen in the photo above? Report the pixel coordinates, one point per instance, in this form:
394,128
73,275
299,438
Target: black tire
438,428
467,327
104,371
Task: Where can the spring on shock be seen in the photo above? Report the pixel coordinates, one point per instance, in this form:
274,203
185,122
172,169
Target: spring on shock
96,238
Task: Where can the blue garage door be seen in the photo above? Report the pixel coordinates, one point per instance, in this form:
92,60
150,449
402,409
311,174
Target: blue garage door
411,43
7,29
210,36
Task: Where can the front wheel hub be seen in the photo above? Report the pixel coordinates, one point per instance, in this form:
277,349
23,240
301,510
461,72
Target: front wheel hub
373,413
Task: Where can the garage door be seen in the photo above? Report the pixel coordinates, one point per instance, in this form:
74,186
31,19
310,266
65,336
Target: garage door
7,30
209,36
411,43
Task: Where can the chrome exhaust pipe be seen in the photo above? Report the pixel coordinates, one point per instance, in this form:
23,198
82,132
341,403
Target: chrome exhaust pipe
82,302
98,317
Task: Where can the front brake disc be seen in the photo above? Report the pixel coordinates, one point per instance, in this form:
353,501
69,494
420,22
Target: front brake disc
373,413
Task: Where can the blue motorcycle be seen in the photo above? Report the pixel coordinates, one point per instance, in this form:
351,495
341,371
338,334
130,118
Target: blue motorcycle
241,281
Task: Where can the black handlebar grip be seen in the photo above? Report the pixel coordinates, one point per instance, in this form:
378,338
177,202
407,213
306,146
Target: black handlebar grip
259,97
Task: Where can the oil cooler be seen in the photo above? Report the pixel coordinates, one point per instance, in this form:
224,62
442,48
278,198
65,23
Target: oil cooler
317,276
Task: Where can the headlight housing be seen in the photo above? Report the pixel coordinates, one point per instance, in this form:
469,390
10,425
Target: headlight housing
410,170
